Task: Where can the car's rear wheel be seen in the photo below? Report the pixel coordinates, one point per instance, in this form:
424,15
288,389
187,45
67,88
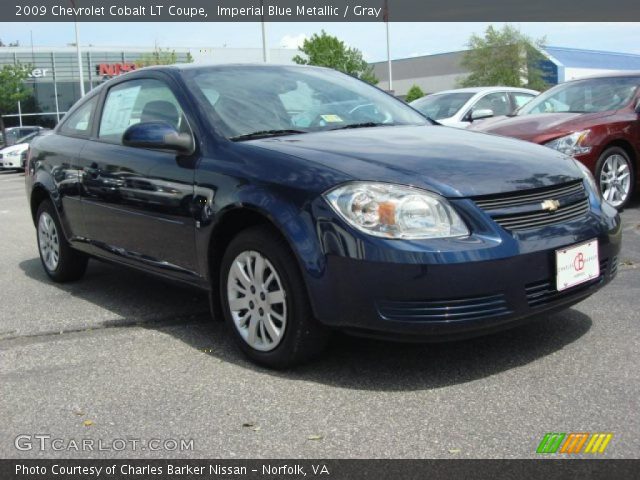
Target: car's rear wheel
60,261
615,176
265,302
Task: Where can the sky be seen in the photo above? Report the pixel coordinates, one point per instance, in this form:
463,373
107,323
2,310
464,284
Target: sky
407,39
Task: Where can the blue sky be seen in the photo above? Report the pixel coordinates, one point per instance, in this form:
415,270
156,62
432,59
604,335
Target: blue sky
407,39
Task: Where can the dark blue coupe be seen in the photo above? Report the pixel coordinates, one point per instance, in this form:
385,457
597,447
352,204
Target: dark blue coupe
304,200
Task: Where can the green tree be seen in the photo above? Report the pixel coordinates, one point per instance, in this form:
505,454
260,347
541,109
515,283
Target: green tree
12,89
503,57
326,50
414,93
160,56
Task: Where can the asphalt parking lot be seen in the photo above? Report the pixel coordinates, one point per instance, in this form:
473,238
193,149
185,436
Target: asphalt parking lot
121,355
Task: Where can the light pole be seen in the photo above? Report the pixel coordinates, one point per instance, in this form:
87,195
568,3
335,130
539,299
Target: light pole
386,21
75,21
265,51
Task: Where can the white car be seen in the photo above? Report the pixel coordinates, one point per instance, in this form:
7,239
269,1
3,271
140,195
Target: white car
460,107
11,157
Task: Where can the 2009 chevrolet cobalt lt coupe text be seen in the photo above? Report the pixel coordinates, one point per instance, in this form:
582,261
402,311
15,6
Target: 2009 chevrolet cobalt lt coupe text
305,200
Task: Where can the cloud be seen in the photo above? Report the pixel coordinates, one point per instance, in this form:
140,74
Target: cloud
293,41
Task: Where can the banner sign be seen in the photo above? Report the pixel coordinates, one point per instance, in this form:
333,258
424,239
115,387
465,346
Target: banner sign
317,10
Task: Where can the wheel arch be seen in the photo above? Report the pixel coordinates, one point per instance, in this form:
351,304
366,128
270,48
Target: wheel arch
38,195
237,218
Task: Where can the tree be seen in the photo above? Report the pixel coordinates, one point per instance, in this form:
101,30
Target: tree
12,89
160,56
414,93
326,50
504,57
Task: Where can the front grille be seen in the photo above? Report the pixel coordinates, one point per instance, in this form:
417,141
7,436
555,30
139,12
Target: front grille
544,292
510,210
472,308
544,218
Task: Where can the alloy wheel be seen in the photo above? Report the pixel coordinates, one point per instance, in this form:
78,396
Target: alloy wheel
49,242
615,179
256,298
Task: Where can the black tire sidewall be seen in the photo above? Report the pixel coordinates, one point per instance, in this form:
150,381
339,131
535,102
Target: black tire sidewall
71,265
600,164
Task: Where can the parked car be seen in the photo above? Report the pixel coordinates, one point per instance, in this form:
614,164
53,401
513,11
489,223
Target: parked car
13,134
596,120
463,106
11,158
373,221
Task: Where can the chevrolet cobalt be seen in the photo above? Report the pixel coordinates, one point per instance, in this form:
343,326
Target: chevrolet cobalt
304,200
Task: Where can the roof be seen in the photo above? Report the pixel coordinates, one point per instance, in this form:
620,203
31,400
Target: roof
595,59
487,89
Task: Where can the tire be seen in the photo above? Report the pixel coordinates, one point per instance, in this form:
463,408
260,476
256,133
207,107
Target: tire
299,337
68,264
611,191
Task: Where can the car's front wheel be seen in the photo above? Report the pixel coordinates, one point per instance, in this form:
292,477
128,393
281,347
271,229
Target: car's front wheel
615,176
265,302
60,261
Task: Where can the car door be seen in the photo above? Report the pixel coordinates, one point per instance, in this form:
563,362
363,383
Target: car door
137,201
62,151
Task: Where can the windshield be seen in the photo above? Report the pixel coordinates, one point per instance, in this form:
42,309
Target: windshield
584,96
27,139
443,105
282,100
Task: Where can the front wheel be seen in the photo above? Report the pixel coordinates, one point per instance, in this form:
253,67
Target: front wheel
60,261
615,177
265,302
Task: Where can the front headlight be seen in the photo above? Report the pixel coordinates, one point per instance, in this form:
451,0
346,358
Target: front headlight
571,144
13,154
396,211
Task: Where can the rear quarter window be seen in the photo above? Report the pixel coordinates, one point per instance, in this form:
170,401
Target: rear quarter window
79,122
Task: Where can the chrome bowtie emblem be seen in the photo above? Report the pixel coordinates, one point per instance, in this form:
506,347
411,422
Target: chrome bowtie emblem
550,205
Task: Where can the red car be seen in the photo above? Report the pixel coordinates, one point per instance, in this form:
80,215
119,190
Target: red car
596,120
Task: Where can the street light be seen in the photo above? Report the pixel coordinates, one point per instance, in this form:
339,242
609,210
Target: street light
75,21
265,51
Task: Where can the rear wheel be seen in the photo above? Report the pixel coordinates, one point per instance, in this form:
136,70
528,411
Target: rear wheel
59,260
615,176
265,303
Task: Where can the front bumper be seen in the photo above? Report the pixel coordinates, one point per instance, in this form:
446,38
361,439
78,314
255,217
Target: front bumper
10,162
437,290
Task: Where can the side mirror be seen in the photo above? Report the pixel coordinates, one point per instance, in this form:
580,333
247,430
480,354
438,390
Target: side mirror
158,135
480,114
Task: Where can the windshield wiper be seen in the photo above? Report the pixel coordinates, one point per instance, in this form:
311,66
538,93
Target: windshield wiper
364,125
265,134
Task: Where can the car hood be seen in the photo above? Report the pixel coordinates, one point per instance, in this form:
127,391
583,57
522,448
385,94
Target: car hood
452,162
21,147
539,127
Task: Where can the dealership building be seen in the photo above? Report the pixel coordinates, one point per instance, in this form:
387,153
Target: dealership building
433,73
55,82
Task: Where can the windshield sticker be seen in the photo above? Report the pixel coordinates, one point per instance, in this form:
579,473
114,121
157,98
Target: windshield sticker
331,118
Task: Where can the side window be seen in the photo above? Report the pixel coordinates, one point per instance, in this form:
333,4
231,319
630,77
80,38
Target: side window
520,99
79,123
136,101
498,102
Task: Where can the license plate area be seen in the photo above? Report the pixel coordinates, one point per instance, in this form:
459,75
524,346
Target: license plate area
577,264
